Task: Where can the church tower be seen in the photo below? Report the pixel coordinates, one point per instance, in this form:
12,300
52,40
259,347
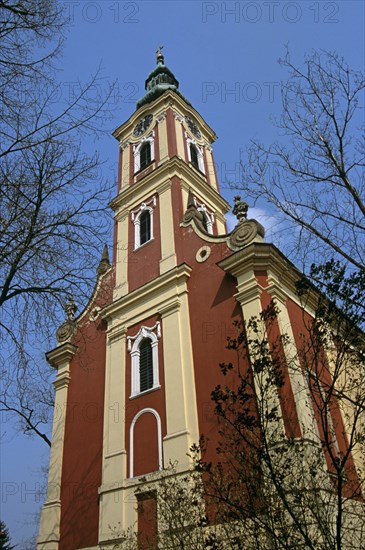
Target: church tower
136,368
169,220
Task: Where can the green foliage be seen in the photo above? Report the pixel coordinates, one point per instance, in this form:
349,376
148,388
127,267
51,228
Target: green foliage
294,492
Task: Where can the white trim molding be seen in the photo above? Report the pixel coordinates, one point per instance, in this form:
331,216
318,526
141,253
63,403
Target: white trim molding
131,439
137,151
199,151
209,216
144,332
136,219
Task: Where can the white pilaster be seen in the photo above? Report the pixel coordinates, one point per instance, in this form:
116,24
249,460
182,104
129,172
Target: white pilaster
168,256
181,408
298,381
114,468
49,530
121,284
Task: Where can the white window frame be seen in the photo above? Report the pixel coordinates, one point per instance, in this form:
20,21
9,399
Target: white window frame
131,439
136,219
137,151
199,150
153,333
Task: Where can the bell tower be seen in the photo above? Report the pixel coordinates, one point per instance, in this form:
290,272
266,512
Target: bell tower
166,170
165,151
136,368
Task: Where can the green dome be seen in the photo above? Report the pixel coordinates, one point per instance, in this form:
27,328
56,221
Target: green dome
158,81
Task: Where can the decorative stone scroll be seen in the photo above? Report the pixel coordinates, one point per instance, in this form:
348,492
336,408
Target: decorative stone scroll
66,330
244,233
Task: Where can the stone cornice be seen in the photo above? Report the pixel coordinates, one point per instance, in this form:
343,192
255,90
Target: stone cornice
282,274
135,193
170,308
163,187
169,284
168,100
260,257
116,333
61,355
248,292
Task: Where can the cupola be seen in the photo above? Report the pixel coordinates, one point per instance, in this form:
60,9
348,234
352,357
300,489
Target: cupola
158,81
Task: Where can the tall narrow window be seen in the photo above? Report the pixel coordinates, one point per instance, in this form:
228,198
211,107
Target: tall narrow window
145,155
205,222
145,365
145,227
194,156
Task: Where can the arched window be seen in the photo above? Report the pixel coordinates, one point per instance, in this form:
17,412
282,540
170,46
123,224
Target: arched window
145,365
145,155
144,227
145,433
194,156
142,218
144,359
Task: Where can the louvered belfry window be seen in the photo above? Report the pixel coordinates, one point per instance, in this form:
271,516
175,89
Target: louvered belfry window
194,156
145,365
145,227
145,155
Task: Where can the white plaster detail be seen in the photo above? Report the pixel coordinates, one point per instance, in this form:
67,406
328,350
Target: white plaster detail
203,254
178,117
94,314
125,145
161,117
190,141
144,332
136,219
137,151
209,216
131,438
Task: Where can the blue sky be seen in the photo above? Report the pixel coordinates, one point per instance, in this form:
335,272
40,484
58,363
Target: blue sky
224,55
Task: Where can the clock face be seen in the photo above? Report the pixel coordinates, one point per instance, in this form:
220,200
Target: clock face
193,127
142,125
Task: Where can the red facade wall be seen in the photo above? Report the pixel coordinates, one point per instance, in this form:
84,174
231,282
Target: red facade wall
81,468
213,309
120,168
147,521
144,263
286,396
146,445
301,322
171,135
82,456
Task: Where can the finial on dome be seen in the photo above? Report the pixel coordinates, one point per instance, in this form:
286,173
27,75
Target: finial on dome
159,56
